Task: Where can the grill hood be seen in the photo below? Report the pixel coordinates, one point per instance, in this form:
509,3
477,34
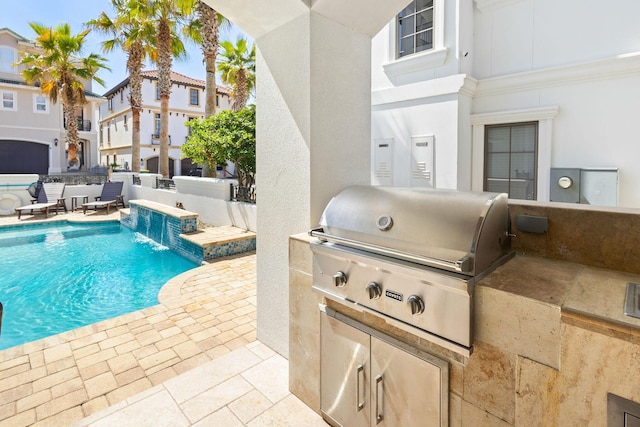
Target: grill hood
458,231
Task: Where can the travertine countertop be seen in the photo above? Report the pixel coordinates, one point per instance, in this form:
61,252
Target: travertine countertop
589,292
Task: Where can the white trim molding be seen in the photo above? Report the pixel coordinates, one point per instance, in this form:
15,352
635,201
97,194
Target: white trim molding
455,84
604,69
544,116
416,62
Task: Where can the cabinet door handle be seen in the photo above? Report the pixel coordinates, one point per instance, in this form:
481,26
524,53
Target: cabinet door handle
359,372
379,414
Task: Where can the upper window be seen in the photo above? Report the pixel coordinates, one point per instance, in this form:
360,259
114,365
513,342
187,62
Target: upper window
158,92
8,101
157,126
40,104
110,104
415,28
7,59
511,157
194,97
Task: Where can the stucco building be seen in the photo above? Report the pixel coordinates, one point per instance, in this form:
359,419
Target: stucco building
186,103
32,130
508,96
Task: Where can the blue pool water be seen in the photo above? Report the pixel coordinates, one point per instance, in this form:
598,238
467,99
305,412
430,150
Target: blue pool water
54,278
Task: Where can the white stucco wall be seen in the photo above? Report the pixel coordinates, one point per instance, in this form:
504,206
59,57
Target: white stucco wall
521,56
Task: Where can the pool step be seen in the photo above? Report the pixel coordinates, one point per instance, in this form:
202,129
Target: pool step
221,241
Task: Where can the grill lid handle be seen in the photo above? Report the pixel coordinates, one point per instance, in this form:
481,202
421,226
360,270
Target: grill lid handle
463,265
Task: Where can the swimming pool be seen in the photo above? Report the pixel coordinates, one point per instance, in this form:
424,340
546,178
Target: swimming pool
58,277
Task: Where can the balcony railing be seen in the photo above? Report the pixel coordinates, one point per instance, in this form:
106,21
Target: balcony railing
166,184
83,125
243,194
155,139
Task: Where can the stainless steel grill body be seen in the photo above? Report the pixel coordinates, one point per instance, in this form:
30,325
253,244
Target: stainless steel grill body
411,256
457,231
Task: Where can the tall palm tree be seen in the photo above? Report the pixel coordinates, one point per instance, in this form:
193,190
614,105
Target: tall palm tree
238,68
205,30
209,22
171,17
60,72
133,32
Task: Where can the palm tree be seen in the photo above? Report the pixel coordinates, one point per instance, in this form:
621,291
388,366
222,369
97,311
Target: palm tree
171,17
208,23
132,31
205,30
60,72
238,68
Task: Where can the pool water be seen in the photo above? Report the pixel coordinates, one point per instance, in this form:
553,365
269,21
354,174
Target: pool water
54,278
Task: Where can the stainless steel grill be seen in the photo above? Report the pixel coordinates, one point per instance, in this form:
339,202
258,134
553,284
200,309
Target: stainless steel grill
411,256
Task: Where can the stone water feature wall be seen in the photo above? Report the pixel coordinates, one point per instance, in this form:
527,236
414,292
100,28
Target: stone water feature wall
177,229
164,225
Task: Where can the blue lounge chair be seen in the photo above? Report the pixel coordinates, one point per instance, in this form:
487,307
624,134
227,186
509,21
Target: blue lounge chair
111,196
44,203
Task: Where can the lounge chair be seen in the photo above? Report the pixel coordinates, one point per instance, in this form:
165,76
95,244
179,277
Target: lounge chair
43,203
111,196
55,191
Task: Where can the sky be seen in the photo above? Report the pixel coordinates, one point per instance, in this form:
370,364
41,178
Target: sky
16,15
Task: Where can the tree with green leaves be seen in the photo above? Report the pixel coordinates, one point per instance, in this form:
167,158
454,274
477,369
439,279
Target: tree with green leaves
171,21
229,135
238,68
60,70
132,31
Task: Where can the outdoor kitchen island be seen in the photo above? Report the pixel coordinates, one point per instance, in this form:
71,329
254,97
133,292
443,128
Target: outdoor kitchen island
550,337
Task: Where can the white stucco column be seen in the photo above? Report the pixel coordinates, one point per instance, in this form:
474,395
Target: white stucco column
313,124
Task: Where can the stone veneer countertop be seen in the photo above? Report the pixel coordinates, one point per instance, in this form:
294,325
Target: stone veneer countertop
588,292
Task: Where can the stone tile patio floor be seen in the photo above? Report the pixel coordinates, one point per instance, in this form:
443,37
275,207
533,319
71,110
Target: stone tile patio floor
191,360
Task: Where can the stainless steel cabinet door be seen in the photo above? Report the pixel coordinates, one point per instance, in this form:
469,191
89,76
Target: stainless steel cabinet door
344,373
405,390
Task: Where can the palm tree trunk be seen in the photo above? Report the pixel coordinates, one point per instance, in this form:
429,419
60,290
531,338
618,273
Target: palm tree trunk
164,82
134,66
164,136
135,139
72,135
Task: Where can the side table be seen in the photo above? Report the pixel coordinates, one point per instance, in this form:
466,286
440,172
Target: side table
74,201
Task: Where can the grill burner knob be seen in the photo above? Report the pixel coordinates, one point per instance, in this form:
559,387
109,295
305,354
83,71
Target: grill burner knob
374,290
416,304
339,279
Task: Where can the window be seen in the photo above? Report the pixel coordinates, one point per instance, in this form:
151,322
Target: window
511,153
217,100
8,101
194,97
40,104
7,59
415,28
125,119
189,125
122,96
157,126
157,92
110,104
109,133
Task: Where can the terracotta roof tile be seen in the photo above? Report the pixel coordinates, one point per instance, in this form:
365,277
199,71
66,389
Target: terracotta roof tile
175,78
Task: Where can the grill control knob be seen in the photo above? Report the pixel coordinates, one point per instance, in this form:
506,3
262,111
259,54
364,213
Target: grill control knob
339,279
374,290
416,304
